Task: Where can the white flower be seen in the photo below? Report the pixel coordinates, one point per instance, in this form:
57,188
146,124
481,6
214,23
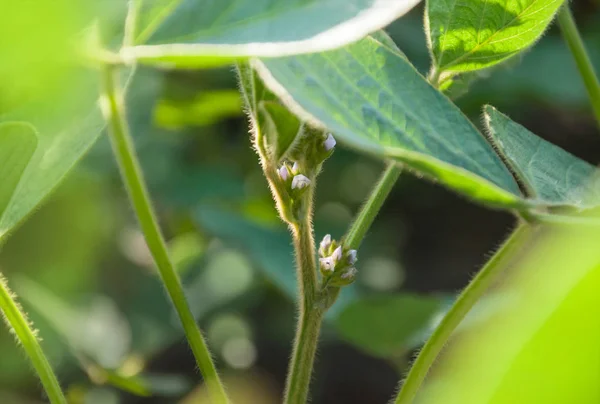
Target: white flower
350,273
329,143
327,263
295,168
283,172
300,181
337,254
351,257
325,243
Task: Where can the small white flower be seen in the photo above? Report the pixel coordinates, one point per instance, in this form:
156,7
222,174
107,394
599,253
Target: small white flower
337,254
329,143
300,181
351,257
295,168
350,273
326,242
327,263
283,172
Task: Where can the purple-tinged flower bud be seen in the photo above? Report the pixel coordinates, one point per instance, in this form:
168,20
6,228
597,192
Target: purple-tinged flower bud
351,257
349,274
325,243
327,263
329,143
300,181
337,254
283,172
295,168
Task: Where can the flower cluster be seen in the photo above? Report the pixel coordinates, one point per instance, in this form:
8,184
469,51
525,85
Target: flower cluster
292,175
335,263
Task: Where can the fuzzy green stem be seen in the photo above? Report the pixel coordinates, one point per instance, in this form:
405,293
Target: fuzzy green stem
463,304
17,321
371,208
310,314
586,69
131,173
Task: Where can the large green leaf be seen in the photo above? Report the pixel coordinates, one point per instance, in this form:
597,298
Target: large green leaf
67,122
373,99
387,325
467,35
534,337
200,33
551,175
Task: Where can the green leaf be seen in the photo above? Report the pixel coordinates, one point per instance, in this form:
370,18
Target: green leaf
467,35
387,325
194,33
281,127
534,337
18,141
67,123
550,174
374,100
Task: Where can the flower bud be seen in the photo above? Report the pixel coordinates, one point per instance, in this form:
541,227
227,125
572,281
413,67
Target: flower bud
283,172
327,264
352,257
324,246
329,142
337,254
300,181
295,168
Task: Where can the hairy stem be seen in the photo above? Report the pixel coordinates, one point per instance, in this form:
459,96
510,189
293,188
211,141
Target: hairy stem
463,304
17,321
371,208
131,173
582,59
310,315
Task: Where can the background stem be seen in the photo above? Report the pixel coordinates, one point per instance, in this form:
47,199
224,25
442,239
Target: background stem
26,337
134,182
463,304
584,64
371,208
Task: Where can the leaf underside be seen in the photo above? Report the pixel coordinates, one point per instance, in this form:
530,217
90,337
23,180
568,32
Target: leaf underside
374,100
552,175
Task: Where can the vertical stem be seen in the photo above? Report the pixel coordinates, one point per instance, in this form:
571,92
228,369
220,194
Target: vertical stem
371,208
310,315
132,176
463,304
28,340
582,59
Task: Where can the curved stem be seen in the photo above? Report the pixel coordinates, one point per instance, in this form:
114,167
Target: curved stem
586,69
113,109
17,321
371,208
310,314
459,310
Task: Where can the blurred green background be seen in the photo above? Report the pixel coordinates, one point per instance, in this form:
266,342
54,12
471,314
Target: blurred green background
84,274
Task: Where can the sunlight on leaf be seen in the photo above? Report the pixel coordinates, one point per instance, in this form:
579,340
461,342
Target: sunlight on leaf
194,33
468,35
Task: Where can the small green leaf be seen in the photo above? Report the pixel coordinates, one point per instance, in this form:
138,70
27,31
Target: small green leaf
467,35
281,127
551,175
18,141
195,33
386,325
373,99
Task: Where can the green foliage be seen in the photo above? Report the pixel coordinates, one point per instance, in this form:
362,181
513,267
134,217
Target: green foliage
466,35
387,326
193,33
551,175
371,97
531,323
